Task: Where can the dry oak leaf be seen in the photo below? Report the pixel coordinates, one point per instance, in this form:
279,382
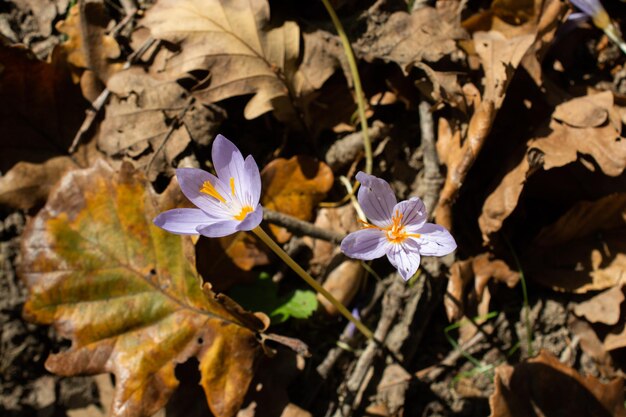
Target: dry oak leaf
542,386
152,122
127,295
585,249
233,41
294,186
427,34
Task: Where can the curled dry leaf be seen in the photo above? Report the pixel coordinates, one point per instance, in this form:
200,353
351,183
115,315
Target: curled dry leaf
563,145
585,250
544,386
294,186
499,58
152,122
127,295
234,42
479,269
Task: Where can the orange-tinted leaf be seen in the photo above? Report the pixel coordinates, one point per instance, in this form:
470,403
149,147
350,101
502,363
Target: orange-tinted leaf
543,386
127,295
295,186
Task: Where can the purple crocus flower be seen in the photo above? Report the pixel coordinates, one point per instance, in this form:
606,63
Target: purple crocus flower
226,204
398,230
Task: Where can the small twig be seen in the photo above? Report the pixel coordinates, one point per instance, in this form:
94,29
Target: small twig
343,151
300,227
178,120
432,179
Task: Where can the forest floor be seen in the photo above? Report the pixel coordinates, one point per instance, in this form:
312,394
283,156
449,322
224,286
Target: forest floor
505,117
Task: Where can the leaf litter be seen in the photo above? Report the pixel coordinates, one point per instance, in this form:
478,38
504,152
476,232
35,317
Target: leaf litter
526,112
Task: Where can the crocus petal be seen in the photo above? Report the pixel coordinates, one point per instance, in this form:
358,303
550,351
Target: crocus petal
182,221
252,193
405,257
251,220
376,198
219,229
590,7
413,213
191,181
228,163
365,244
434,240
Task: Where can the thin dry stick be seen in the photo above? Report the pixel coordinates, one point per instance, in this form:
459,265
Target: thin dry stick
300,227
178,120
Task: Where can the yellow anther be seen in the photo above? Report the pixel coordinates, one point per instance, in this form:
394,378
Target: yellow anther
232,185
244,212
209,189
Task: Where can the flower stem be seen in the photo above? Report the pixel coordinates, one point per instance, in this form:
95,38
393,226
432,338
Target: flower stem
358,90
260,233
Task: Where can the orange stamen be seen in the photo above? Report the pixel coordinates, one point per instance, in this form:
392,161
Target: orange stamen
209,189
232,185
243,213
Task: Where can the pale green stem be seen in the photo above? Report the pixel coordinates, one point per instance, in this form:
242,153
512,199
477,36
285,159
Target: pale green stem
358,90
309,280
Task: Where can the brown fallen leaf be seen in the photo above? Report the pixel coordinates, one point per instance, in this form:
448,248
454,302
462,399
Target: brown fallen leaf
233,41
127,295
602,308
90,50
479,270
343,282
427,34
153,122
584,250
40,108
564,144
294,186
544,386
499,58
27,185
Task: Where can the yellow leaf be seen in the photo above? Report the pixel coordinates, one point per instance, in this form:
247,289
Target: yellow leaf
128,296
